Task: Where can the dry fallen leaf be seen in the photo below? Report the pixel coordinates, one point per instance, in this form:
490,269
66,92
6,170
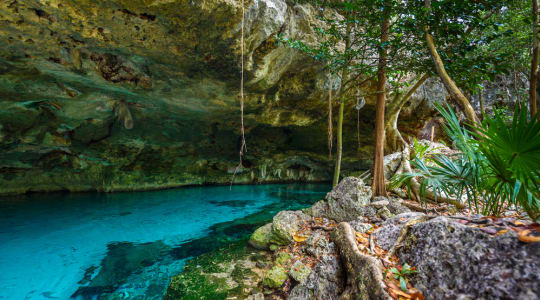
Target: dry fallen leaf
527,236
501,232
519,223
299,238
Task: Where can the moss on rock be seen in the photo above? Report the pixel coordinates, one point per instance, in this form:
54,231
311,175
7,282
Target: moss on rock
230,271
275,277
260,239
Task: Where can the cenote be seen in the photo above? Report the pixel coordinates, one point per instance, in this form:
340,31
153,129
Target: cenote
127,245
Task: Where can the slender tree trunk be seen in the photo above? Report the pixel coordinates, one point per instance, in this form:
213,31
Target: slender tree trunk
337,169
344,78
394,140
482,103
330,122
534,63
449,84
378,185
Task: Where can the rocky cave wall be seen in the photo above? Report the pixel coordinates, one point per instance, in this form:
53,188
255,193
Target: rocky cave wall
142,94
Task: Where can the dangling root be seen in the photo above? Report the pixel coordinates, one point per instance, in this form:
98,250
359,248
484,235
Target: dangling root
243,146
330,124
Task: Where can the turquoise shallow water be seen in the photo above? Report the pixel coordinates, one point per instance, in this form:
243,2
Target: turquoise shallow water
126,245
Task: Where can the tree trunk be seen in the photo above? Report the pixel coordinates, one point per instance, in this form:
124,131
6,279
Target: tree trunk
378,185
449,84
534,63
344,77
394,140
330,124
337,169
482,102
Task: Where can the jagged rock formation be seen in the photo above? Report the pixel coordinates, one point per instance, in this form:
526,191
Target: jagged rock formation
123,95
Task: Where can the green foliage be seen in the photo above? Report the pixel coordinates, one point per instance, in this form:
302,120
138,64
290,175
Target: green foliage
501,167
420,150
478,40
402,275
512,161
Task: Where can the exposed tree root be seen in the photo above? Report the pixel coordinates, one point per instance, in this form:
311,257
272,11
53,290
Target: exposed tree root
364,273
403,233
405,167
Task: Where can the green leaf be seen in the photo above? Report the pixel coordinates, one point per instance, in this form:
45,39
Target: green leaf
403,283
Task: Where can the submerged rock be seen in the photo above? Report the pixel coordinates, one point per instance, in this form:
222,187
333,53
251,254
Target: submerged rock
121,261
228,272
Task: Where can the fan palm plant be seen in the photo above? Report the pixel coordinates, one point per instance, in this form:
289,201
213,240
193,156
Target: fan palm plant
500,168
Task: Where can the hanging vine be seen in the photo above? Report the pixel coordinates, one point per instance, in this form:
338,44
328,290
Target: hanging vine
243,146
360,102
330,125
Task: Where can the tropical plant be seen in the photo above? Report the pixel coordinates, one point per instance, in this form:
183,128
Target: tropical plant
512,162
498,169
402,274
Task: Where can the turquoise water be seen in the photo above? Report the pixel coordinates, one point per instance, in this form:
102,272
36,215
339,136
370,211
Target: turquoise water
126,245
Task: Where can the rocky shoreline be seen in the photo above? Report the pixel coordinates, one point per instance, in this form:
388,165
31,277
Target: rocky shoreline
343,248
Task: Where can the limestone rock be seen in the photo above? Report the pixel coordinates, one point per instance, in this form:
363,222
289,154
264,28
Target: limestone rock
283,259
455,261
395,207
387,234
380,203
18,117
70,63
319,209
349,200
360,226
299,271
325,282
385,213
285,225
391,164
260,239
92,130
275,277
258,296
318,244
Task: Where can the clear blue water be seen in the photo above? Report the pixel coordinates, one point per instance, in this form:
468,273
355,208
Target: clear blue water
126,245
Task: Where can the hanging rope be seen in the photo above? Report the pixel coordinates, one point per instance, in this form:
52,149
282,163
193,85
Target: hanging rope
243,146
360,102
330,125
